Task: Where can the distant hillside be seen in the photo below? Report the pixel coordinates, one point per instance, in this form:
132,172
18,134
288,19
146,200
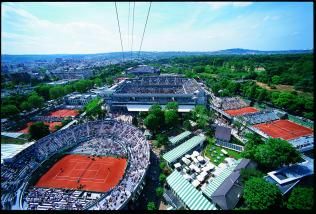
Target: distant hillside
144,54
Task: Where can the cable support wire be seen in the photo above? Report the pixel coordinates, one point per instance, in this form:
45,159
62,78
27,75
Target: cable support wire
118,23
144,30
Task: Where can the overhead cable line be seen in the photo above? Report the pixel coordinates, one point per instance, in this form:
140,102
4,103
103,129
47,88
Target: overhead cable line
133,31
129,11
144,30
118,23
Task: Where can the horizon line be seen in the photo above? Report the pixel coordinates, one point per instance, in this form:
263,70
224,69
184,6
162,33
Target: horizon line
311,49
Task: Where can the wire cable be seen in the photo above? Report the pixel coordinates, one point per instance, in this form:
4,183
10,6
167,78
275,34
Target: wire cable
132,32
144,30
129,11
118,23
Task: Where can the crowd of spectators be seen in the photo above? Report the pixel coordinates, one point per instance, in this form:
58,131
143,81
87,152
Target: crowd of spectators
57,199
125,138
160,85
261,117
228,103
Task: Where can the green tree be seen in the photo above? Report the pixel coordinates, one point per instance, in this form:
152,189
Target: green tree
260,194
171,118
35,101
68,89
43,90
162,164
9,110
38,130
276,153
248,173
159,191
301,198
152,123
151,206
187,125
162,139
98,82
25,106
56,92
276,79
162,178
253,141
200,115
172,106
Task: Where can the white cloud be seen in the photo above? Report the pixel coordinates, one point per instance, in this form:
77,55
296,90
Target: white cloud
266,18
218,5
43,36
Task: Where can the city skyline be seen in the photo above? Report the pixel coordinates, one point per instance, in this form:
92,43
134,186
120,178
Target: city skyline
61,28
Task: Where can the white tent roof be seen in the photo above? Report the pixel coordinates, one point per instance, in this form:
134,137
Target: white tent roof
195,183
203,173
195,153
195,160
186,176
200,178
177,165
200,158
208,167
224,151
186,161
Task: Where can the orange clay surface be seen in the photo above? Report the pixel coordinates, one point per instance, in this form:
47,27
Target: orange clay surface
284,129
99,175
241,111
64,113
51,126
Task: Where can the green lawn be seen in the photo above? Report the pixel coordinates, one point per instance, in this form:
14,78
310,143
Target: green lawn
213,156
9,140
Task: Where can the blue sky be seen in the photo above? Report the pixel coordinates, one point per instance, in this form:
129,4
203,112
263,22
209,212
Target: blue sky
79,27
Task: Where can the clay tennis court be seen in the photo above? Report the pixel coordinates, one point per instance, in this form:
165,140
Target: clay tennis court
241,111
99,175
51,126
284,129
64,113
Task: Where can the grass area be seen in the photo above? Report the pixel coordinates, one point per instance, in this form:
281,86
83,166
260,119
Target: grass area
213,154
10,140
281,87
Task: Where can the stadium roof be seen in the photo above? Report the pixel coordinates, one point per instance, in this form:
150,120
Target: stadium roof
182,108
223,133
10,150
190,196
183,148
11,134
294,172
214,184
179,137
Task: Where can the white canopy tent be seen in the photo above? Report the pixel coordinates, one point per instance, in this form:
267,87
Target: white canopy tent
224,151
195,183
177,165
200,158
186,161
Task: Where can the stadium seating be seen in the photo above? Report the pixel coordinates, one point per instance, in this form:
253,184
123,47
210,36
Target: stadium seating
228,103
107,137
261,117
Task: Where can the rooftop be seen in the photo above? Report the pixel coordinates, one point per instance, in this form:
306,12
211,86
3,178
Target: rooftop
190,196
183,148
159,85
